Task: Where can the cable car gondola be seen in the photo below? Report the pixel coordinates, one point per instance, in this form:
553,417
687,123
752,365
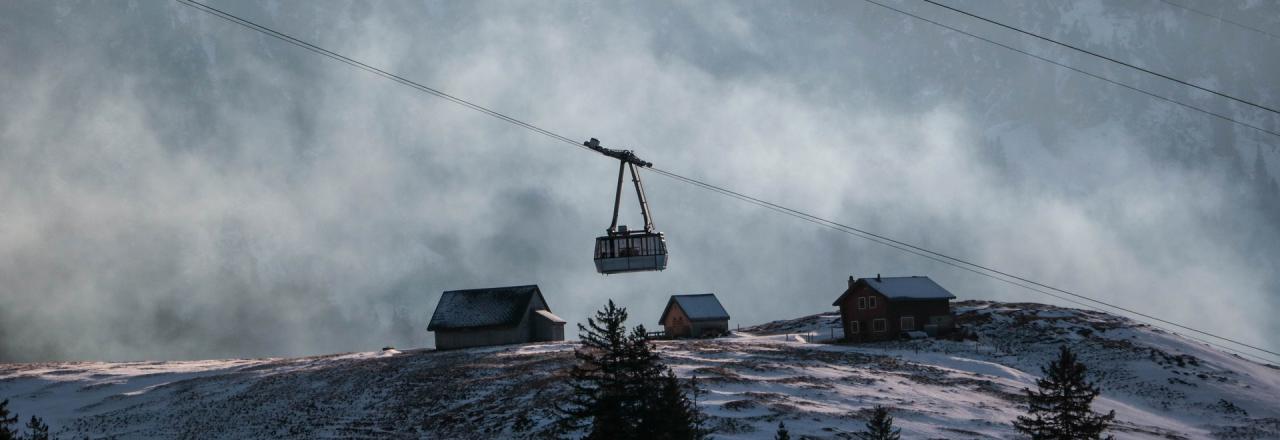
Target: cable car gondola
622,250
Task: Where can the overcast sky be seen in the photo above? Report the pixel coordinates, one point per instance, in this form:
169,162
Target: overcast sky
174,186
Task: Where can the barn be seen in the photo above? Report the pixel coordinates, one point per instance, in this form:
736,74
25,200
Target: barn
494,316
879,309
694,316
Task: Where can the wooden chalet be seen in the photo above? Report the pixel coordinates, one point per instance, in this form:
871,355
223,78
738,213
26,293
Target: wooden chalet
879,309
494,316
694,316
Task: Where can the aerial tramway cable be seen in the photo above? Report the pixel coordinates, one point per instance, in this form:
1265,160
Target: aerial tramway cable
857,232
1224,20
1080,71
1107,58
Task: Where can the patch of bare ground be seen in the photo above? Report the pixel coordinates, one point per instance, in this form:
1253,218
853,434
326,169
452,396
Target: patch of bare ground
1249,429
718,374
739,405
806,382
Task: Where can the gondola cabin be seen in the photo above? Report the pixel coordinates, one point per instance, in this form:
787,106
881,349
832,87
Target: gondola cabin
622,250
630,251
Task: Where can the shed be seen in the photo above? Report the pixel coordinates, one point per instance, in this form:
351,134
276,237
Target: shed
694,316
494,316
884,308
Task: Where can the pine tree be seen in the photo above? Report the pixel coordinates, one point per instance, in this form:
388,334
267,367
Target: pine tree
7,432
671,415
599,401
880,427
782,433
37,429
621,389
1061,408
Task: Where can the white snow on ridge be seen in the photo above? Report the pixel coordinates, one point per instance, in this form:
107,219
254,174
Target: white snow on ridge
1159,384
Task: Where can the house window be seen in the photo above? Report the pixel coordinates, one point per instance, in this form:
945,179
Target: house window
862,302
853,327
871,302
908,323
879,325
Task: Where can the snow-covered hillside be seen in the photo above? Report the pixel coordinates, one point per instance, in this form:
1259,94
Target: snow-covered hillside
1161,385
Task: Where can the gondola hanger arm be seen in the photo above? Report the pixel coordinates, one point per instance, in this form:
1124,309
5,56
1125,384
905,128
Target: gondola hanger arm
626,156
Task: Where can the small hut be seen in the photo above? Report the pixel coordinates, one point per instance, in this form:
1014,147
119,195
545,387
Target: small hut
494,316
694,316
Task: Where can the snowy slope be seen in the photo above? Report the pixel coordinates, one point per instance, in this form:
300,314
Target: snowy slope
1161,385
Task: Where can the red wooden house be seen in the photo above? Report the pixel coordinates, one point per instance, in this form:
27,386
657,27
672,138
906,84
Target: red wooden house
879,309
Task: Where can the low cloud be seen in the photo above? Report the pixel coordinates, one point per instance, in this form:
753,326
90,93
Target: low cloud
174,186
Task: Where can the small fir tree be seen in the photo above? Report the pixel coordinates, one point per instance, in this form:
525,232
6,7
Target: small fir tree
7,422
782,433
1061,407
880,427
672,414
37,429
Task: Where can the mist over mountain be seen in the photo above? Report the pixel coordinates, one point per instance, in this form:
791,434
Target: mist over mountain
174,186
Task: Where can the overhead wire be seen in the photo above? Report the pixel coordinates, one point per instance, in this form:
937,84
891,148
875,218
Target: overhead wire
1218,18
368,68
1078,70
857,232
1105,57
913,248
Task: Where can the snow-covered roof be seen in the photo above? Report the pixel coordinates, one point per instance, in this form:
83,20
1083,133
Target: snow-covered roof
704,307
914,288
480,308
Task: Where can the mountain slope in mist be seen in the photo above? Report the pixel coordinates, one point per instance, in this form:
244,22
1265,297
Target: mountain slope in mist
1161,385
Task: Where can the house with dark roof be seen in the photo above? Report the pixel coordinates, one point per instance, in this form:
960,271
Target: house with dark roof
879,309
494,316
694,316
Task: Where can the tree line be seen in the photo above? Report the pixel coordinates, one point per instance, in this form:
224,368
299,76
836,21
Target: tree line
36,429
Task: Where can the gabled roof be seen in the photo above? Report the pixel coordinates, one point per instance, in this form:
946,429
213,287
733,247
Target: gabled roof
915,288
704,307
483,308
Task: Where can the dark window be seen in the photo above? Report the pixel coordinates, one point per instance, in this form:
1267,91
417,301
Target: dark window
862,302
871,302
907,323
879,325
853,327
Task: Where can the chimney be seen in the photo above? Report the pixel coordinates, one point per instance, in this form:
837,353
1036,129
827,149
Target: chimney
851,281
877,277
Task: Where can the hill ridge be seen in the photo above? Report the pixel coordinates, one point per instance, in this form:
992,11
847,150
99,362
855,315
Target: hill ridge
1160,384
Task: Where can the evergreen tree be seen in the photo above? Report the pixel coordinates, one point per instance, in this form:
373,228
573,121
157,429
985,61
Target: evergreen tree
621,390
599,381
1060,409
37,429
880,427
671,415
782,433
7,421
